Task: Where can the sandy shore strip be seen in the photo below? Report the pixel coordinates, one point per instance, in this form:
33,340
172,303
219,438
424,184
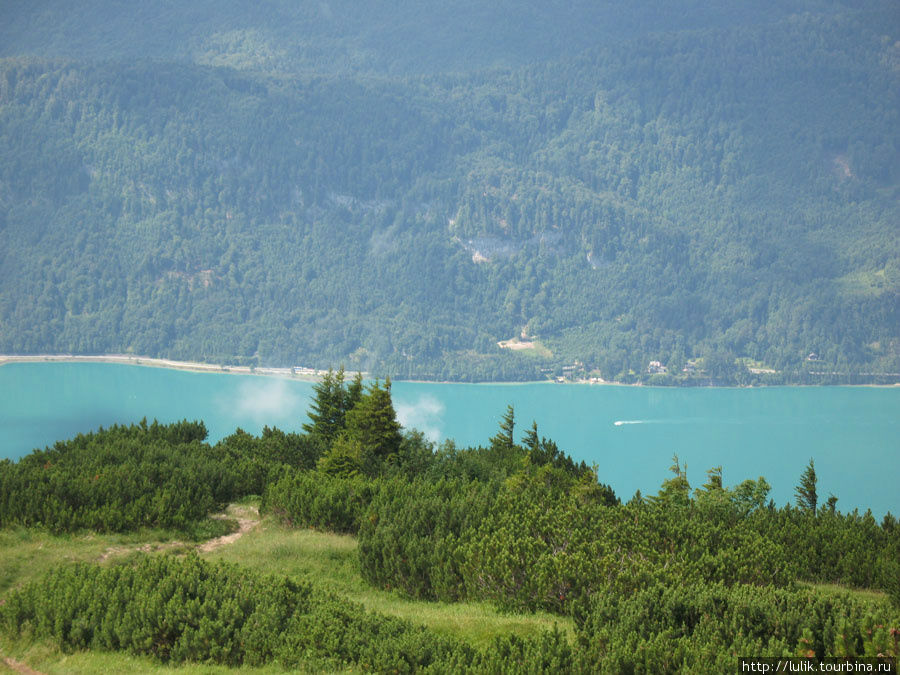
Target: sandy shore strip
295,373
298,372
314,375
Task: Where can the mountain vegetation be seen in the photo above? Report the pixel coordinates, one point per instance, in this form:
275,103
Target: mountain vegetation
683,580
667,192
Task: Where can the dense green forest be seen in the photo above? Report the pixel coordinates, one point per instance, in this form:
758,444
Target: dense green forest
685,580
402,186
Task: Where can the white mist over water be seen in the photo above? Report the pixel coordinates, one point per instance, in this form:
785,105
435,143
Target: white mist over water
424,414
267,401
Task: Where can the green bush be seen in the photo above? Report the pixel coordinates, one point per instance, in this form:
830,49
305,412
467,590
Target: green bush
673,627
319,500
410,537
118,479
185,609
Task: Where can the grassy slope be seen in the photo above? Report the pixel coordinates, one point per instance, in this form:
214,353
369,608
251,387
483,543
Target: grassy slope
48,659
869,595
328,560
26,554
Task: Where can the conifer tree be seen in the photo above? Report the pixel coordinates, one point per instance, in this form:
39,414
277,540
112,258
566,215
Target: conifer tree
329,408
373,423
714,479
321,410
713,490
504,437
676,490
807,498
893,582
750,495
530,440
343,459
354,392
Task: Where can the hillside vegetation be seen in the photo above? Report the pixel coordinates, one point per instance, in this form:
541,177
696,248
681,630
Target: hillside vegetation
401,186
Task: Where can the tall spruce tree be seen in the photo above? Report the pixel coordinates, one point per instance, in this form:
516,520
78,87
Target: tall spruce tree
504,439
354,392
530,440
807,498
331,403
373,423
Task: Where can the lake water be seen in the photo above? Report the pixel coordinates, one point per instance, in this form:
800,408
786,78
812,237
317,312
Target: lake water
631,433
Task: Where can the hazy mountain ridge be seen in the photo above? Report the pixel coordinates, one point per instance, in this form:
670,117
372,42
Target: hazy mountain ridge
390,37
726,191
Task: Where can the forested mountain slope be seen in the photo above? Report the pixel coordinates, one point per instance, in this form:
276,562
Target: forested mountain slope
380,36
399,186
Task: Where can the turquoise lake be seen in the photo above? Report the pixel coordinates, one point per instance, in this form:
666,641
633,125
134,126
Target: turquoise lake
631,433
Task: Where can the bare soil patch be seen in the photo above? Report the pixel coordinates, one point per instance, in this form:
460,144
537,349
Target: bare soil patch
19,667
247,517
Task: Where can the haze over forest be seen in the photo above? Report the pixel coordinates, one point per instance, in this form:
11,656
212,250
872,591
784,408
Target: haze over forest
399,186
659,191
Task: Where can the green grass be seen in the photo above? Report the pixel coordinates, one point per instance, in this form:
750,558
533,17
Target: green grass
26,553
330,562
866,594
49,659
867,283
749,363
327,560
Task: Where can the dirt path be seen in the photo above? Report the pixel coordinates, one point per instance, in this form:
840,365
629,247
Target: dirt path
19,667
143,548
246,516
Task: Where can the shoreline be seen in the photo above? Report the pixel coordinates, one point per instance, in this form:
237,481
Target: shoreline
305,374
296,373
